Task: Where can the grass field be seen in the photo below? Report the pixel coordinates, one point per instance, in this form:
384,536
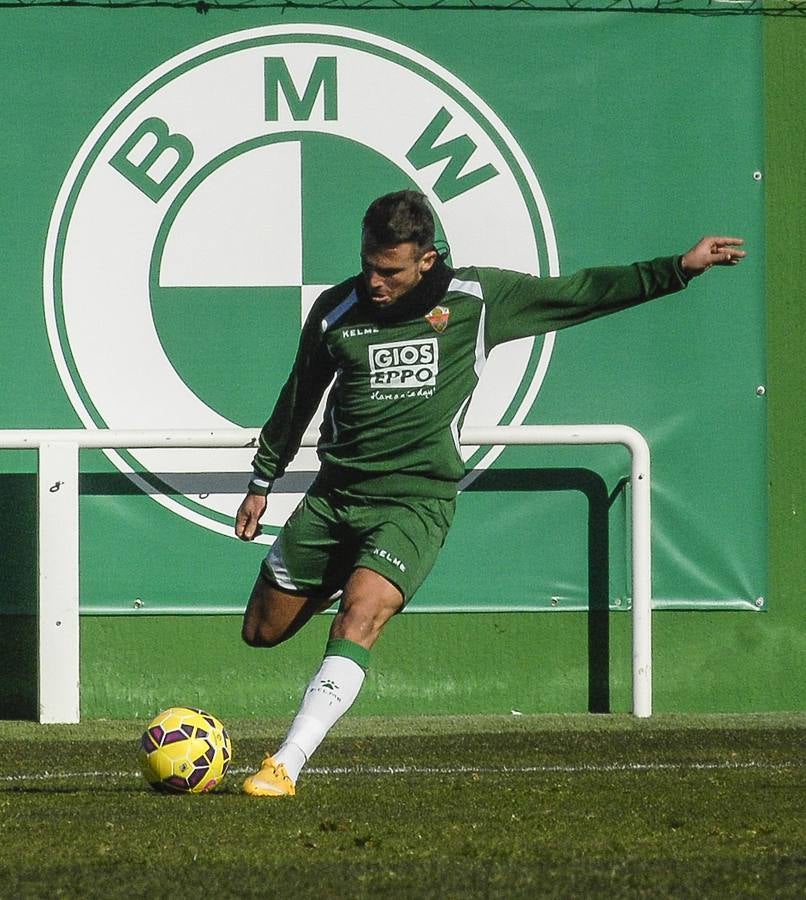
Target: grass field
548,806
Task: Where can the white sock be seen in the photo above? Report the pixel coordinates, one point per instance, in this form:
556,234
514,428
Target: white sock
329,695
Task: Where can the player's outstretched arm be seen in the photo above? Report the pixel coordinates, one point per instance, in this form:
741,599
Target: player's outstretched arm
247,519
712,251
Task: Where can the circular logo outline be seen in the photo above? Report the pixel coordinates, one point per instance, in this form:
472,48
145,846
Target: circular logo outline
520,169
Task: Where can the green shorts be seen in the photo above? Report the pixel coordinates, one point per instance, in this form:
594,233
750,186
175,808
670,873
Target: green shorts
327,536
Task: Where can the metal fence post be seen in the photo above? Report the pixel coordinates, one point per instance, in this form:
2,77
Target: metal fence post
58,583
59,695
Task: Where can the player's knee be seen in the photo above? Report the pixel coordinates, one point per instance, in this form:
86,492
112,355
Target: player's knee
261,634
362,618
369,612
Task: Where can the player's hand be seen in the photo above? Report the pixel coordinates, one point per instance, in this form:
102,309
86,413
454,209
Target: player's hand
247,519
713,251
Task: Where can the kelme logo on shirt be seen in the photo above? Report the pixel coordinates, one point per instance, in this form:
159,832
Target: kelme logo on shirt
216,199
404,364
390,557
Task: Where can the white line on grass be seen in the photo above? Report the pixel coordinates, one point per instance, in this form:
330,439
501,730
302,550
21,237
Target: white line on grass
451,770
528,770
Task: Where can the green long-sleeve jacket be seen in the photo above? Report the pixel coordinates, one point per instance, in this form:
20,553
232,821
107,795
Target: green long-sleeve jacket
403,377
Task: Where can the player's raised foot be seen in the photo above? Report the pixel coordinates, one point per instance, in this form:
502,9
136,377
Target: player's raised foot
271,781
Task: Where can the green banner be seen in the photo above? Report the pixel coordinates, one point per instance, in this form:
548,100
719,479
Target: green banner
180,188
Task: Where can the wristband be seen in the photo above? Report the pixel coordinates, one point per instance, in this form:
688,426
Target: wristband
259,485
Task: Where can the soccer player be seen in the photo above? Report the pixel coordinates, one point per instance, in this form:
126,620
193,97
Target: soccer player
404,343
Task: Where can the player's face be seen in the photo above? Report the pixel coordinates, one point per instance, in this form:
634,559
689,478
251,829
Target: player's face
392,271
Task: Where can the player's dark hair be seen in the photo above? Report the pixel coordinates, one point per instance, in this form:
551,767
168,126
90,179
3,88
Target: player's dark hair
398,218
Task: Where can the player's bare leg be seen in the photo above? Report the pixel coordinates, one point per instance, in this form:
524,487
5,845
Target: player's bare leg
274,615
368,602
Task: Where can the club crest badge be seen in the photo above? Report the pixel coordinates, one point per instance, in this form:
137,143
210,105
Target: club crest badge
438,318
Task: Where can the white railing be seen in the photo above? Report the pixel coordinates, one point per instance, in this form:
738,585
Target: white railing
59,685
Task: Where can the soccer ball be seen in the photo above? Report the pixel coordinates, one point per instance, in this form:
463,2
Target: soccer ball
185,750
